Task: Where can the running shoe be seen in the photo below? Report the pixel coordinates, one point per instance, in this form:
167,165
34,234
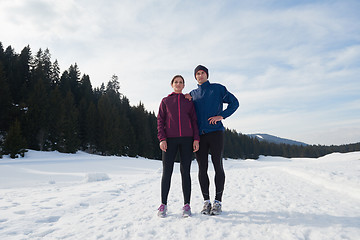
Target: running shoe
162,210
186,210
216,208
207,207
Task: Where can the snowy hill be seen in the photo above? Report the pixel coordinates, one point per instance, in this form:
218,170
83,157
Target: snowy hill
274,139
49,195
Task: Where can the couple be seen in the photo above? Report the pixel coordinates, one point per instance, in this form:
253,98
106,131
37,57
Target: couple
192,123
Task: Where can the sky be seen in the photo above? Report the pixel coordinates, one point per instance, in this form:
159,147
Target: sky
293,65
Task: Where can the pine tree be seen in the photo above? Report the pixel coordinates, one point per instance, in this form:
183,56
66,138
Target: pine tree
128,136
41,69
55,115
55,74
74,79
144,141
91,126
156,152
37,116
9,68
5,102
64,84
83,108
113,84
1,52
85,88
15,143
71,141
86,94
23,75
47,66
105,120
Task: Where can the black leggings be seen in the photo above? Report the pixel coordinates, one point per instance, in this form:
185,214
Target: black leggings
213,142
184,146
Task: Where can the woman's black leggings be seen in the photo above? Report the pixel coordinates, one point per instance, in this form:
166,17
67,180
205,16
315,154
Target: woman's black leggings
213,142
184,146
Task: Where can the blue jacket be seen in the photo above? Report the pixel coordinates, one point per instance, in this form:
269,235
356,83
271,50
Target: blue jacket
208,100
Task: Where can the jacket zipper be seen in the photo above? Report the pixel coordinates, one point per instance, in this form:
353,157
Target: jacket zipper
179,114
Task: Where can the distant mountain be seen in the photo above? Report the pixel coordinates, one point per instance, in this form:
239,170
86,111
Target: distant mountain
274,139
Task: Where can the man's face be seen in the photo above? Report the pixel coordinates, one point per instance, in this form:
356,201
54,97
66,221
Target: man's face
201,77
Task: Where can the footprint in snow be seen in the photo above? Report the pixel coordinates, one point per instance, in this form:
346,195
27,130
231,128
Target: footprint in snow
21,212
50,219
85,205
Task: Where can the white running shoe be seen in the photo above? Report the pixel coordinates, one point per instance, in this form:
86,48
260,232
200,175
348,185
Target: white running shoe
206,208
216,208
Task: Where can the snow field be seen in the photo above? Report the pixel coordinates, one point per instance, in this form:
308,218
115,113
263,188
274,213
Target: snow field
82,196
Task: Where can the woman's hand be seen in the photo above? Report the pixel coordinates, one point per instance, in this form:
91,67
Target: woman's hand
215,119
196,145
163,145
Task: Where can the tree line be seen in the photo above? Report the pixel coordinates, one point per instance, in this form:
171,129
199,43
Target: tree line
44,109
240,146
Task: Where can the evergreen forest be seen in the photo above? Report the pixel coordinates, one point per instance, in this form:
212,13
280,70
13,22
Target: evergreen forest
44,109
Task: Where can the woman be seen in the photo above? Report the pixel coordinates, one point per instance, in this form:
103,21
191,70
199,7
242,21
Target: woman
177,131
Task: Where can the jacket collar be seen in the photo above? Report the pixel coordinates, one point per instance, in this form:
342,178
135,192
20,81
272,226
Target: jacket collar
205,84
174,93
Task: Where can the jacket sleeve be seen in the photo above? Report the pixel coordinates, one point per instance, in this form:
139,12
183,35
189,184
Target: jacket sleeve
232,102
161,121
194,122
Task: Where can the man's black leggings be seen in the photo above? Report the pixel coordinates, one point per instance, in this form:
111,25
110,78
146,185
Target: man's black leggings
213,142
184,146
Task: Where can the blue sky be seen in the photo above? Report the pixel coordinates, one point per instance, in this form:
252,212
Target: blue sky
293,65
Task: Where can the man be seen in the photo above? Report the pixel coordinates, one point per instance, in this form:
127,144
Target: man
208,100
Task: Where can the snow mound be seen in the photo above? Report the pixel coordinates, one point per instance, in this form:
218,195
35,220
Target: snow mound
96,177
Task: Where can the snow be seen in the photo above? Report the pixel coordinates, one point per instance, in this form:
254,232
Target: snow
95,177
50,195
259,136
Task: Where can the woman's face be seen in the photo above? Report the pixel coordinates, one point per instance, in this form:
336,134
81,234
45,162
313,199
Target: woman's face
178,85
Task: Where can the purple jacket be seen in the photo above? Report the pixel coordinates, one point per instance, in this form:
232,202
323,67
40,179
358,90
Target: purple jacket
177,118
